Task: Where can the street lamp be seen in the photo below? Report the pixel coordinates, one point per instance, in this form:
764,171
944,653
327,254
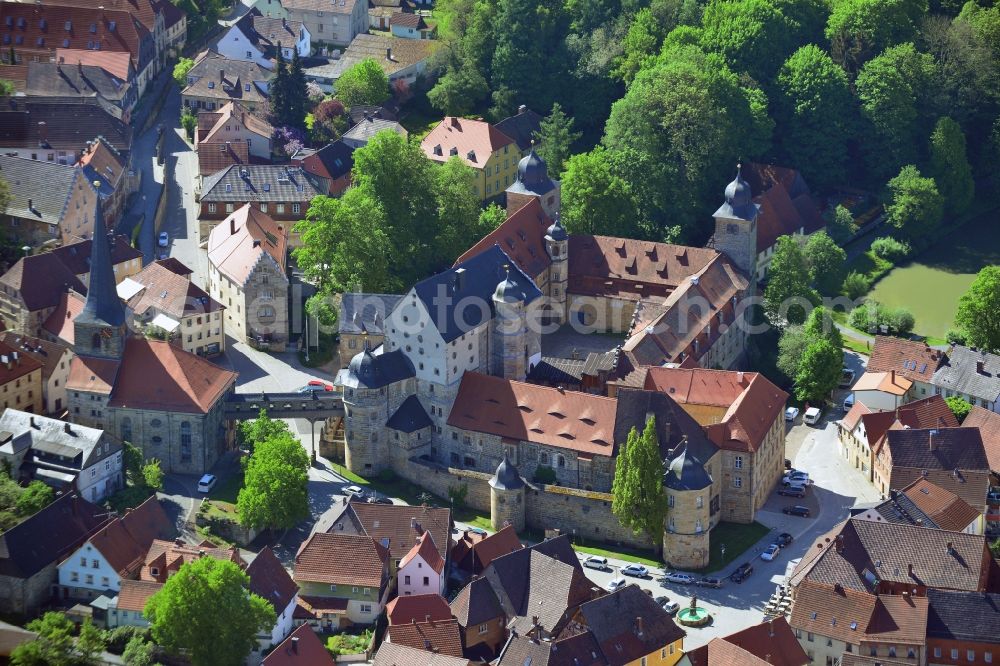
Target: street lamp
722,549
26,249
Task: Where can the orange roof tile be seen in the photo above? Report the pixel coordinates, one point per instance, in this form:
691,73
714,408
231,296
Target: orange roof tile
341,559
94,375
215,156
770,642
418,607
12,368
125,540
832,611
898,619
566,419
989,428
494,546
887,382
473,141
914,360
853,417
117,64
237,243
522,237
945,508
439,637
425,548
164,558
133,594
60,322
302,648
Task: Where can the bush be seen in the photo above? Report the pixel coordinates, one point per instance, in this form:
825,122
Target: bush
871,315
544,474
856,285
858,318
900,320
891,249
339,644
189,122
120,636
34,498
959,407
955,336
458,494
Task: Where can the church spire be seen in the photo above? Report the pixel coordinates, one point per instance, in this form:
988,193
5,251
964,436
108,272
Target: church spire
103,305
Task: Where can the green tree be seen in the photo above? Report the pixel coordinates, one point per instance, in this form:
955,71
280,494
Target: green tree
960,407
840,225
207,610
55,645
456,93
362,83
132,461
556,138
274,493
90,644
826,263
595,199
346,244
856,285
637,496
808,18
152,475
296,92
791,346
491,217
814,108
860,29
641,44
752,35
35,497
181,70
189,122
915,207
894,91
278,90
139,652
949,166
458,210
818,372
821,326
979,310
788,296
261,429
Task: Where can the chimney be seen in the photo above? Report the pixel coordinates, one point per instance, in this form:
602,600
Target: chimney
770,628
67,428
931,444
456,123
427,618
893,377
522,108
951,550
31,204
413,523
32,421
980,368
295,644
638,625
839,543
909,570
222,76
256,243
232,226
534,620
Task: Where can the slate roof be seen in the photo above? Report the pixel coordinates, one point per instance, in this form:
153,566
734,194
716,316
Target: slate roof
522,127
961,372
472,141
438,637
958,463
102,307
365,313
49,535
578,650
988,424
554,371
259,182
76,256
216,76
369,127
914,360
302,647
268,579
476,604
522,238
39,190
48,79
480,276
964,616
394,654
417,607
410,417
341,559
628,624
21,123
238,243
376,368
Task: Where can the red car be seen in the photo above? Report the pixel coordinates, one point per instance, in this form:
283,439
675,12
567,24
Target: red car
315,386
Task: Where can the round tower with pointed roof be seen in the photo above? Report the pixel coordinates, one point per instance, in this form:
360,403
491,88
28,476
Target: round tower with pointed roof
509,328
688,482
557,246
736,225
533,182
366,413
507,497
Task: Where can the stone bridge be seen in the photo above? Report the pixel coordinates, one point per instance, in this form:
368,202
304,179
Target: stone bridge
312,406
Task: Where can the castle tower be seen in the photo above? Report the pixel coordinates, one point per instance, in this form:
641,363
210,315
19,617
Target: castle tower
533,182
366,410
507,497
736,226
99,329
509,342
557,245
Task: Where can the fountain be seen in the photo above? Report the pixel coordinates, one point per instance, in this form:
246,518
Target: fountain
694,615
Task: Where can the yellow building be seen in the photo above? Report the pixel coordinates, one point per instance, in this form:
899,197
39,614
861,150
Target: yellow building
478,144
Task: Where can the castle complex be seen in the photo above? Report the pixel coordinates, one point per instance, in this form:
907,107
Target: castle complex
443,400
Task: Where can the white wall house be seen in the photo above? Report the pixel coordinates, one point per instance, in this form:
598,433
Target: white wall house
882,391
87,573
255,38
421,571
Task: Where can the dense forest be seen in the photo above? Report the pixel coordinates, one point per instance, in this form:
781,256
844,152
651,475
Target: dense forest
665,96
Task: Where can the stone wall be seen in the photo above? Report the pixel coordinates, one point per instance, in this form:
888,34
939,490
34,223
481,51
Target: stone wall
24,596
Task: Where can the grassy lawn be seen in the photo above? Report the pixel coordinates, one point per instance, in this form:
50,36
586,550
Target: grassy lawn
646,557
227,489
419,123
737,538
871,266
348,474
855,346
321,356
220,510
339,644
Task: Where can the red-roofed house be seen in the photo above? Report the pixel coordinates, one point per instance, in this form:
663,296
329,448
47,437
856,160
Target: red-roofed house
270,580
417,608
474,550
479,145
233,123
913,360
421,571
302,648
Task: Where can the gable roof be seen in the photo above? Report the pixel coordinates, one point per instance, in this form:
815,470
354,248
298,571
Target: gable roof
265,32
270,580
428,552
914,360
964,616
157,287
34,122
522,127
408,20
833,611
932,412
40,190
214,156
301,647
957,463
395,654
768,642
405,52
410,417
185,382
46,352
371,126
970,372
103,162
60,322
522,237
402,524
577,650
125,540
49,535
236,245
232,112
341,559
417,607
165,558
988,424
472,141
365,313
133,594
476,603
259,182
51,79
628,624
946,509
480,553
885,382
118,64
438,637
855,416
76,256
782,214
216,76
332,161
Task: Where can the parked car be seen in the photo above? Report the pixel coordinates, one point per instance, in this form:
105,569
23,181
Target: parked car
742,572
770,552
848,402
662,600
812,415
616,584
677,577
595,562
797,510
792,490
671,607
354,491
783,539
378,500
846,378
788,464
316,386
791,413
795,477
709,581
164,239
634,570
206,483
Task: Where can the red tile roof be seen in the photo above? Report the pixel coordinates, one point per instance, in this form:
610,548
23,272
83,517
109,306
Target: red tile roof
422,607
898,619
989,428
215,156
93,375
425,548
342,559
932,412
474,141
781,215
270,580
769,642
169,292
433,636
234,112
391,654
832,611
11,368
526,412
946,509
165,558
854,416
184,382
125,540
133,594
60,322
107,161
884,382
522,237
482,551
914,360
302,647
117,64
237,244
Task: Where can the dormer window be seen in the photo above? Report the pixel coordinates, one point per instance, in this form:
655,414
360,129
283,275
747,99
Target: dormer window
453,151
438,150
471,155
246,87
112,25
155,571
229,187
69,26
211,85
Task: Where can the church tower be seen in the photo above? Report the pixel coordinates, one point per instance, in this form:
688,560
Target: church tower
557,246
736,226
533,182
509,331
100,327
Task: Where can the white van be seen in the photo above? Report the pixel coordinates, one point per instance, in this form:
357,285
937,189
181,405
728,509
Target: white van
812,415
848,402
